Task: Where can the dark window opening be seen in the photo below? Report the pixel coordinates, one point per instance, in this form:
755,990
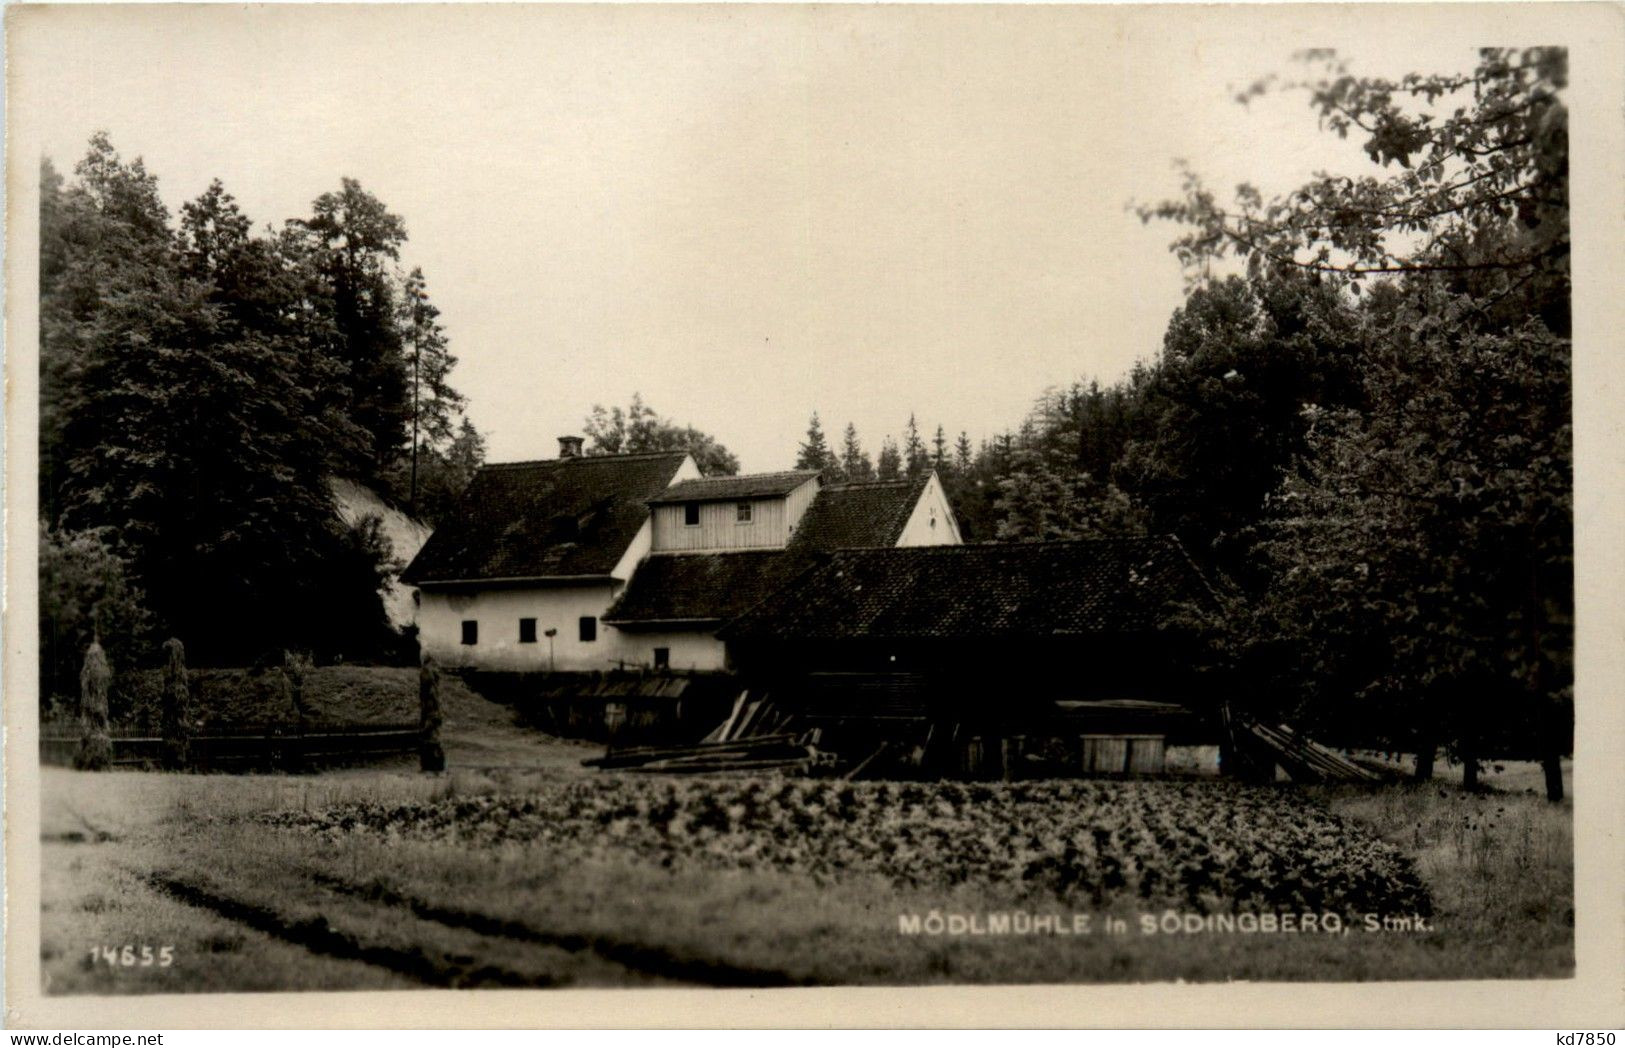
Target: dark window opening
471,631
589,628
527,631
742,513
662,658
691,513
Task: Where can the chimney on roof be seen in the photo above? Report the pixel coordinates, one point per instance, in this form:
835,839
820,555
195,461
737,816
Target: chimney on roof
569,447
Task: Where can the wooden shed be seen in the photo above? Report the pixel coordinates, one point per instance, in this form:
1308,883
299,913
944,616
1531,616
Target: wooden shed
995,660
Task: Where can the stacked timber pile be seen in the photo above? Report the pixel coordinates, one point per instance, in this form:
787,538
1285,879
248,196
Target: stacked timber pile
763,753
751,739
1303,758
751,717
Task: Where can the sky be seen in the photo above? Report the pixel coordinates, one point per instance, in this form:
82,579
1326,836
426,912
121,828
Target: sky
743,214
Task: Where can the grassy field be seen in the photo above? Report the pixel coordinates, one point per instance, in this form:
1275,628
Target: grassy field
233,873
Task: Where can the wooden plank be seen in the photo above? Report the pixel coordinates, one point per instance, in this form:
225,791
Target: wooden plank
1339,762
1105,754
764,717
725,732
753,711
636,754
697,766
1147,754
861,765
973,756
1305,758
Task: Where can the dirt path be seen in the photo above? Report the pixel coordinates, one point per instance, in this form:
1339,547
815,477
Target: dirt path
319,935
653,961
447,947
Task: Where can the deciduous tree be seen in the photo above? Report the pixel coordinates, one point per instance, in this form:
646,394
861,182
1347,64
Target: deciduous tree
192,417
1421,556
640,428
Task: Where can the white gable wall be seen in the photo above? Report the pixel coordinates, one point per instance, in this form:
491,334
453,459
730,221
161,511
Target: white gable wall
689,470
634,553
932,523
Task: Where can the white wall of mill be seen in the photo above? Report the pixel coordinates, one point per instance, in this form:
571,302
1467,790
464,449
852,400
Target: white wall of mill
932,523
692,651
498,611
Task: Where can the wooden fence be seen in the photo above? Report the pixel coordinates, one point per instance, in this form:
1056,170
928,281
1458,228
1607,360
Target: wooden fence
247,747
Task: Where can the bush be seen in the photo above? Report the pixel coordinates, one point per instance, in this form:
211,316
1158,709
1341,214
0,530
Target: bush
85,594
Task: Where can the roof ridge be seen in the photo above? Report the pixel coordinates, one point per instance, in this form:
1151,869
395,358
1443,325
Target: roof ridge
897,483
750,476
736,552
1167,539
620,456
743,485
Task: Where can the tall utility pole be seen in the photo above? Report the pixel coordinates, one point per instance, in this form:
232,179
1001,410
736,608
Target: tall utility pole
417,351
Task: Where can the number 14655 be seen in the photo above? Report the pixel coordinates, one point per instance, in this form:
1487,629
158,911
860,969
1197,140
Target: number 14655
128,956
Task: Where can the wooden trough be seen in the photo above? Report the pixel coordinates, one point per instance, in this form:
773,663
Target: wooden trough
1260,747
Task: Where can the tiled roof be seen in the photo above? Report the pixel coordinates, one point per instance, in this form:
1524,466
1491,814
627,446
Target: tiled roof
846,516
726,489
981,591
554,518
700,587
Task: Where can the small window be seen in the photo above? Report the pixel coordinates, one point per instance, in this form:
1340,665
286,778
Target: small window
527,631
691,514
589,629
471,631
662,658
742,512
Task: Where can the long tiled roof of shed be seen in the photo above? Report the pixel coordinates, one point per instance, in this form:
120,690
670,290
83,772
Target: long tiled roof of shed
700,587
982,591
